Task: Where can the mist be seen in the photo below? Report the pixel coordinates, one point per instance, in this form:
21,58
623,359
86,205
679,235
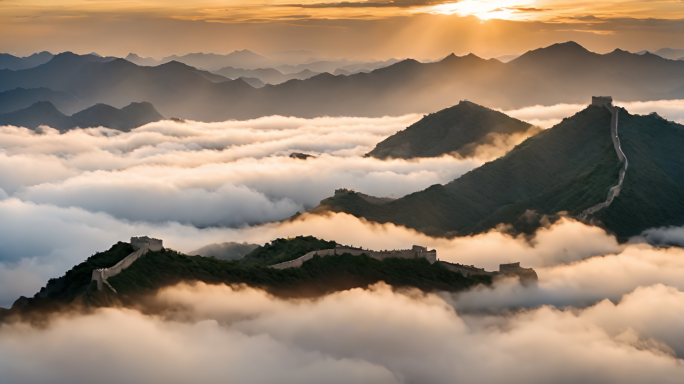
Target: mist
374,335
213,174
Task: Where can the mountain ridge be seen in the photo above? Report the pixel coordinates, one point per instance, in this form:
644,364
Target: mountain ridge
45,113
407,86
560,171
458,130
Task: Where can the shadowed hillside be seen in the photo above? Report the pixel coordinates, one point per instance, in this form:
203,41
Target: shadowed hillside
564,169
459,129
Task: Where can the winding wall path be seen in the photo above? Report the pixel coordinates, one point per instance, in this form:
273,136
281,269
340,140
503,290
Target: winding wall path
615,190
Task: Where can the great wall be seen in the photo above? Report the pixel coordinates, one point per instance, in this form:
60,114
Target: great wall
141,245
144,244
607,101
416,252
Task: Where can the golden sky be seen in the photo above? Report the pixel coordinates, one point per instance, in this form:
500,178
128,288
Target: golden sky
355,28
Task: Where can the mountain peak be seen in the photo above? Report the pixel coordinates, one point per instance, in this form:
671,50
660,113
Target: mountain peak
460,128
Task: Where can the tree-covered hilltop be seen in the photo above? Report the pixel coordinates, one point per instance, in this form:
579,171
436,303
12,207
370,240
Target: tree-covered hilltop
281,250
567,168
75,282
318,276
459,129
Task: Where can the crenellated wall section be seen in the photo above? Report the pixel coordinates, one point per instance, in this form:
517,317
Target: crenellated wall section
417,252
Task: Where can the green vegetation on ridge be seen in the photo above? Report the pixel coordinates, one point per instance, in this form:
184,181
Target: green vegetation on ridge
567,168
281,250
317,276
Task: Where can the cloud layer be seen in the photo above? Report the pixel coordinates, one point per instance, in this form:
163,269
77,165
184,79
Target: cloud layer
601,311
212,174
376,335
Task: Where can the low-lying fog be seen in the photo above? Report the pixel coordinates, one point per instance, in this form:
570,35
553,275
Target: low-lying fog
601,312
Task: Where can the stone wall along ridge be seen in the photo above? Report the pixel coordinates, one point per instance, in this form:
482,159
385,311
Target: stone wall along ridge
416,252
614,190
141,245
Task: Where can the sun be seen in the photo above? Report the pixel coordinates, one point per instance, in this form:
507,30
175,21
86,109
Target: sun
483,9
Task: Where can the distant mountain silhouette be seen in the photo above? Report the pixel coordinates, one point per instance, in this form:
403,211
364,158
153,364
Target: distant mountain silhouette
567,168
561,73
20,98
253,81
15,63
178,88
210,61
143,61
44,113
331,66
459,129
266,75
667,53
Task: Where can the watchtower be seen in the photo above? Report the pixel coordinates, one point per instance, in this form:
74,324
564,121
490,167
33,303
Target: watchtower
152,244
601,100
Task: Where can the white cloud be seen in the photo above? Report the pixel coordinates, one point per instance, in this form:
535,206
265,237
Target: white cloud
229,173
211,333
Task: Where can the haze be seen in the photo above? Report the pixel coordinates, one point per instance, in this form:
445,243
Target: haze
323,191
419,29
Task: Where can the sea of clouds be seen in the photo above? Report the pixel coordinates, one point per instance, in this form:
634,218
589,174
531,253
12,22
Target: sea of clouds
601,312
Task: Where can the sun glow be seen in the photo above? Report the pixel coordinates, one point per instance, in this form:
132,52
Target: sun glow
484,10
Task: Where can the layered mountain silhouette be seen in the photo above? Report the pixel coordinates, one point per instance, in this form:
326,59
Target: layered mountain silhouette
100,115
266,75
20,98
460,130
14,63
562,170
561,73
331,66
209,61
668,53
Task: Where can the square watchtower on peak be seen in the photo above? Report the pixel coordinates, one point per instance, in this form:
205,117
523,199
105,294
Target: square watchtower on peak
601,100
152,244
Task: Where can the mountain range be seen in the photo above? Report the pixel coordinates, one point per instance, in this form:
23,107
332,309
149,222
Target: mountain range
266,75
561,73
560,171
15,63
20,98
99,115
458,130
210,61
